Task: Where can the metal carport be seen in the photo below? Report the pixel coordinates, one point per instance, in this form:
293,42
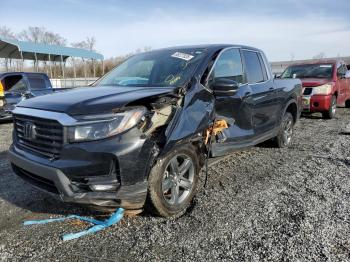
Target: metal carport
15,49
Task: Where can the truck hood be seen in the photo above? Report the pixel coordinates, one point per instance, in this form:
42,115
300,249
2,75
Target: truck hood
311,82
92,100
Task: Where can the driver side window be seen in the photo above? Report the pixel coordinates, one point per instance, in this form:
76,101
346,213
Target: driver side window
228,65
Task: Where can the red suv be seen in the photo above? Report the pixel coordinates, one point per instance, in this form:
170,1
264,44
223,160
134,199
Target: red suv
326,85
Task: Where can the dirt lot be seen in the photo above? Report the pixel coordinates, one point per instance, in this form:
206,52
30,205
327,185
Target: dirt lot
261,204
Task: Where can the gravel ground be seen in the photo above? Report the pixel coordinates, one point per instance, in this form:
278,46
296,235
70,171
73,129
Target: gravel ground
260,204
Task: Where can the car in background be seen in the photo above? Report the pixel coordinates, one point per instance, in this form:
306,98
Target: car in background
18,86
326,85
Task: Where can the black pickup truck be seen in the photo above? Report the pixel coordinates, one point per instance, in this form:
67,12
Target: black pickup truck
18,86
140,137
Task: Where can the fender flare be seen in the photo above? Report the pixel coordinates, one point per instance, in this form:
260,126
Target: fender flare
290,101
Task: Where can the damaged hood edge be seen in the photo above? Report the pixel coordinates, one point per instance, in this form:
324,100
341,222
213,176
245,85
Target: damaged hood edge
93,100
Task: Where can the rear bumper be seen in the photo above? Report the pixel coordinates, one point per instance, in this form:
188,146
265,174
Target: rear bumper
317,103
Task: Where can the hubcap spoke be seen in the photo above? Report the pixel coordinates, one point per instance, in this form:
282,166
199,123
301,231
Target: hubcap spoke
185,183
174,165
185,166
288,131
174,194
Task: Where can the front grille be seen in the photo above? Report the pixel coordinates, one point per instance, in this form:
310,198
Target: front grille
38,181
43,137
307,91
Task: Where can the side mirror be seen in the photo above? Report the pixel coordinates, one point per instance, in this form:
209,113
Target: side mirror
277,76
224,85
347,74
26,94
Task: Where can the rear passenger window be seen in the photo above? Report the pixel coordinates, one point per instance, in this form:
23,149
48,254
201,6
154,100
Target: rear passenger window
254,69
229,65
37,82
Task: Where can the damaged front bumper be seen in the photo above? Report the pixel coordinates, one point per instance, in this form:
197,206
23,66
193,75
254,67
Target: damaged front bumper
110,173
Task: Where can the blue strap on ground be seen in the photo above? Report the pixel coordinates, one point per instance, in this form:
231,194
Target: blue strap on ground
99,225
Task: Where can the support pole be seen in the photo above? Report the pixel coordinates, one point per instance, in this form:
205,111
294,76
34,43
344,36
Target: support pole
84,71
50,65
93,65
103,67
74,72
22,60
63,71
36,63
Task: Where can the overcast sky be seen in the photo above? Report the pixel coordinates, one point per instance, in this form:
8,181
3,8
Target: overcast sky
283,29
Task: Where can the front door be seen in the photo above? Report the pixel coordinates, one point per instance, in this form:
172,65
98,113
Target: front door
233,107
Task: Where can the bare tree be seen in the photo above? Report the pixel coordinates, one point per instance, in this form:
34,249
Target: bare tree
89,43
319,56
7,33
42,35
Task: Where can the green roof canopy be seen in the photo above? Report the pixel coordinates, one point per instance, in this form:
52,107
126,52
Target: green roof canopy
11,48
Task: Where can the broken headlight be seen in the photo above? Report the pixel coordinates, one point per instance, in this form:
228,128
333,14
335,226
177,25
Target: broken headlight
100,127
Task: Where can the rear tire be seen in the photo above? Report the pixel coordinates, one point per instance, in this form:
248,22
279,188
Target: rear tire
284,137
172,182
332,109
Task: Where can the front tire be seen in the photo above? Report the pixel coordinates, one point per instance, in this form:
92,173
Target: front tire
284,137
172,182
332,109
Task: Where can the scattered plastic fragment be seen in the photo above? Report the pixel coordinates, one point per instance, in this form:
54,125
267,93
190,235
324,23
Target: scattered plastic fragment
98,225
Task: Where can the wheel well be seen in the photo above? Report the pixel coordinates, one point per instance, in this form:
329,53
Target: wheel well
201,152
293,109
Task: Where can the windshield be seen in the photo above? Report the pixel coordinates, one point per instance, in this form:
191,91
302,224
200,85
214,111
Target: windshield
155,69
309,71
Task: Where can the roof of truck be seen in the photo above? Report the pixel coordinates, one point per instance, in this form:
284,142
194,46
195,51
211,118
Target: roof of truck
210,47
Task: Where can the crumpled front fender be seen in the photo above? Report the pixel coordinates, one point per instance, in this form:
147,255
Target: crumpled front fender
196,114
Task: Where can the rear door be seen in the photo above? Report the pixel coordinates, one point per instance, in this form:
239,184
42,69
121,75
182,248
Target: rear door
234,107
265,104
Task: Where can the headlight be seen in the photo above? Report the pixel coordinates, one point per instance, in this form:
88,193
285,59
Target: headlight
1,103
101,127
322,90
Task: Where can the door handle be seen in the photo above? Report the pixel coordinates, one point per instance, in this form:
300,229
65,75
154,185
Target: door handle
271,88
